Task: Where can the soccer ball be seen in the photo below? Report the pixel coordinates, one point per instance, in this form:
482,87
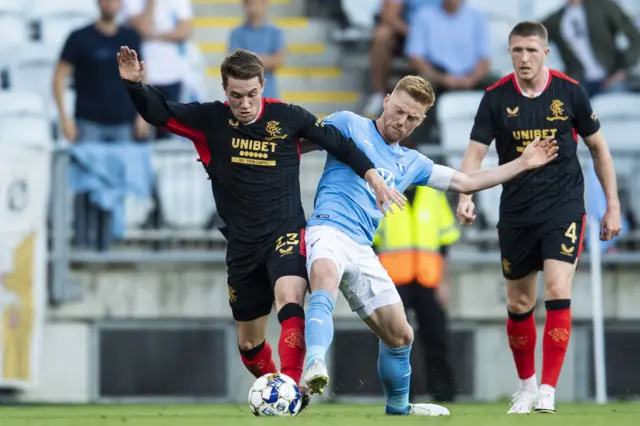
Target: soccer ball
275,395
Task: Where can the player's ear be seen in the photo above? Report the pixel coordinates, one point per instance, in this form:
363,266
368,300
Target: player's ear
386,100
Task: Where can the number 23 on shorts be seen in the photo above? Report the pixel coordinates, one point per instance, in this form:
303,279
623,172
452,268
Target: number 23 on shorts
285,243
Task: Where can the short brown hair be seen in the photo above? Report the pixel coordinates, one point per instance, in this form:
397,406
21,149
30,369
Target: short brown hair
418,88
242,65
528,29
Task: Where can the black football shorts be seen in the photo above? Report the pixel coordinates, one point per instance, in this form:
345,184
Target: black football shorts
252,274
524,249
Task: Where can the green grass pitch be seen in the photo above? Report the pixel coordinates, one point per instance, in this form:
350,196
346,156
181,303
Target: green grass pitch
318,415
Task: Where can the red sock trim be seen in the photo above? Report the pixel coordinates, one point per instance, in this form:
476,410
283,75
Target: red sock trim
261,363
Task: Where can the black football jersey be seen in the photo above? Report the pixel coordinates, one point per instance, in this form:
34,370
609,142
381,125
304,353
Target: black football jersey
513,120
254,168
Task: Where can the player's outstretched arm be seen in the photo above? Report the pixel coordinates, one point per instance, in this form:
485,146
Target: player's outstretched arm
306,146
537,154
148,100
471,162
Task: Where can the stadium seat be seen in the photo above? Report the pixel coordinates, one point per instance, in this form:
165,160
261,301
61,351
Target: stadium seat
617,106
12,6
23,119
58,18
184,191
136,211
88,8
14,29
31,68
500,58
25,130
21,103
508,10
455,113
544,8
54,30
619,114
631,7
196,83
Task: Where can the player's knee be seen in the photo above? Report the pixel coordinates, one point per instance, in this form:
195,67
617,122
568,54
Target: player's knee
290,290
383,34
520,303
249,344
399,336
557,288
324,276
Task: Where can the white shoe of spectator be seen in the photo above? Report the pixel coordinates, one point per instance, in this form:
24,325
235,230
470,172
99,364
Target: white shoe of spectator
373,105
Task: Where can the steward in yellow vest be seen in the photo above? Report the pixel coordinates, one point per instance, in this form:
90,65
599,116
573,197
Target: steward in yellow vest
409,242
411,245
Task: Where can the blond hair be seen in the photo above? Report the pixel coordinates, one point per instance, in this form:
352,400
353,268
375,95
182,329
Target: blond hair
418,88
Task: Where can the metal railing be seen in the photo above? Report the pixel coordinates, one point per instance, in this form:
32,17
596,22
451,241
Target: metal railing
178,222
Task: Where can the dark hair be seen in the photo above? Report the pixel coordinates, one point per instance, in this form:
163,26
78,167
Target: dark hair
242,65
528,29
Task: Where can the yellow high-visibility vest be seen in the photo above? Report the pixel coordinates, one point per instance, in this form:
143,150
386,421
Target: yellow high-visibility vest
408,242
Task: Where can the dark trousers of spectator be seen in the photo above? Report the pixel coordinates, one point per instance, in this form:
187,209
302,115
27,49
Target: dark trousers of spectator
171,93
433,332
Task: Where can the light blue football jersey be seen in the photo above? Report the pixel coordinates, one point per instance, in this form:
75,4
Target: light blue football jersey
344,200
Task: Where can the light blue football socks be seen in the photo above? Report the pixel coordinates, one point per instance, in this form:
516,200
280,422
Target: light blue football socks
394,370
319,324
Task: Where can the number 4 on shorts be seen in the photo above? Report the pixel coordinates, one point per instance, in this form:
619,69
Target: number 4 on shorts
571,233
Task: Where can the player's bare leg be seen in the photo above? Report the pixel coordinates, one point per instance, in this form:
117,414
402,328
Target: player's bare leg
255,351
390,324
324,279
521,331
289,299
558,277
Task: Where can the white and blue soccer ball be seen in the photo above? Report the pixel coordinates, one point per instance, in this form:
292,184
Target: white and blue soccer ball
275,395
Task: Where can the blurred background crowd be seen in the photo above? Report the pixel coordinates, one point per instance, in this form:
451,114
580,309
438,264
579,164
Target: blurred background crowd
60,78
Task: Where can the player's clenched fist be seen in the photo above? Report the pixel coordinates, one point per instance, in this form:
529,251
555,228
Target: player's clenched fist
129,66
465,211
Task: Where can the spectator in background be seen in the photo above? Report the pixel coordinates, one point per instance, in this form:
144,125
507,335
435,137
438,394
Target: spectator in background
412,245
585,33
263,39
103,110
389,37
449,45
165,26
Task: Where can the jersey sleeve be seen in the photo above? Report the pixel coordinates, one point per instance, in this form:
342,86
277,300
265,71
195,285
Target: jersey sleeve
424,167
330,138
71,48
585,121
187,120
484,129
339,120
